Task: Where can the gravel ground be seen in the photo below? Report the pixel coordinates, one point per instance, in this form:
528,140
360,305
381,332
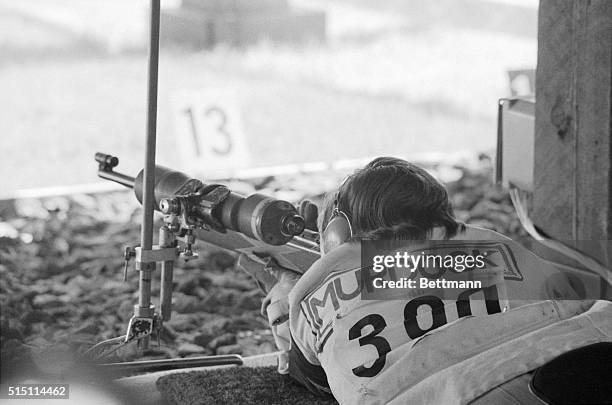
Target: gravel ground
61,266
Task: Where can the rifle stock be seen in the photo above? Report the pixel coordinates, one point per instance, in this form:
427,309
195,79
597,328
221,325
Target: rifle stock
298,254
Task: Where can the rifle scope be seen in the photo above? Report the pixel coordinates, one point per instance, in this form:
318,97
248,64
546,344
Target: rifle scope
258,216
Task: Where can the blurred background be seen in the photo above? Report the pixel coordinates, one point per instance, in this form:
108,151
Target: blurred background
298,81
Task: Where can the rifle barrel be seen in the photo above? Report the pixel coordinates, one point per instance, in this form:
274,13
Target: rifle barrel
123,179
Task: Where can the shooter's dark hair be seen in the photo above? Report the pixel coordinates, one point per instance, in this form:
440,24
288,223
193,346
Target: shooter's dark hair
391,198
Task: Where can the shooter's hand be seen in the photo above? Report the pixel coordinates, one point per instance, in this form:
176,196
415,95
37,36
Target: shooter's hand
273,279
277,282
310,212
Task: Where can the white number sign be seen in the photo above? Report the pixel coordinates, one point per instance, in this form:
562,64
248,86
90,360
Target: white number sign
209,132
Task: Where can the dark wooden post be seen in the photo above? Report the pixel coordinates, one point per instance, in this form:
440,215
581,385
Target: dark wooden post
573,126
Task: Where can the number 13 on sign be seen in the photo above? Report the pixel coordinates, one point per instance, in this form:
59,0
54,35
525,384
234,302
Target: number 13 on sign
209,131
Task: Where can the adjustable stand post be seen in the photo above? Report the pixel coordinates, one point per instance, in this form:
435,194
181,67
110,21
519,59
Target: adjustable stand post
144,309
167,239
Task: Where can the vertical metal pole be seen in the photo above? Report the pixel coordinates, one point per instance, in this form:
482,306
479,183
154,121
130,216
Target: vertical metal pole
149,168
146,235
166,240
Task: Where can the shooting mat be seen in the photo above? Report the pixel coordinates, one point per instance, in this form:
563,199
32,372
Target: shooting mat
235,385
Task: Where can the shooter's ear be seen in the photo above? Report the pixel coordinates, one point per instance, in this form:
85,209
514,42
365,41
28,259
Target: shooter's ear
337,231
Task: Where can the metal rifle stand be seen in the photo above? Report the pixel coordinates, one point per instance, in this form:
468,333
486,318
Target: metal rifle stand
145,320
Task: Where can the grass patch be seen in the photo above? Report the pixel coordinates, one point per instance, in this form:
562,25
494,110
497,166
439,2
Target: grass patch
236,385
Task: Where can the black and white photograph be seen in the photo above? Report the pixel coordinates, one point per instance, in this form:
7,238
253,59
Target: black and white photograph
299,202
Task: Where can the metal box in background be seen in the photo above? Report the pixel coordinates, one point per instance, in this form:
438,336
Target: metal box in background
515,143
